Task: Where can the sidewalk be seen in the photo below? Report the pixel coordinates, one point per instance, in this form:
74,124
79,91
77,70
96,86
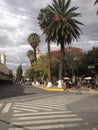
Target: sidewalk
55,89
83,90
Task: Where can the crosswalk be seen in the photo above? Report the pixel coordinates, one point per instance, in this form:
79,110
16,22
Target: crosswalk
45,114
5,107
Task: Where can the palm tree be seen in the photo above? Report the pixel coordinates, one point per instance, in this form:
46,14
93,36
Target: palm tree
34,41
43,23
30,55
62,27
96,2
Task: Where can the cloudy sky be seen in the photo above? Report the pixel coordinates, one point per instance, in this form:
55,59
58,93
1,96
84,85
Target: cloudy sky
18,18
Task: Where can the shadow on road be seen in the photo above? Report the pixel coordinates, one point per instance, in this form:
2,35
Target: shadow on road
13,90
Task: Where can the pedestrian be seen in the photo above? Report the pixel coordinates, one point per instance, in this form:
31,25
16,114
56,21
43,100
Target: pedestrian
64,85
78,88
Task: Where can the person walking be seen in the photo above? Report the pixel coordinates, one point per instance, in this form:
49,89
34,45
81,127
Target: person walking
78,88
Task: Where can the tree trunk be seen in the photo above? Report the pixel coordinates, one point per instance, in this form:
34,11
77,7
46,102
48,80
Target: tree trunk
35,54
49,63
61,68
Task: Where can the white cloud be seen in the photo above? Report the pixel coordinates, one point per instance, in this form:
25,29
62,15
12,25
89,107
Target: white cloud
19,18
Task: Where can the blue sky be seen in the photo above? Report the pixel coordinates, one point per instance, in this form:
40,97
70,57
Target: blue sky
19,18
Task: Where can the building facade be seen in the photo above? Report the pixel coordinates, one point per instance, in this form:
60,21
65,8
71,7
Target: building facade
5,73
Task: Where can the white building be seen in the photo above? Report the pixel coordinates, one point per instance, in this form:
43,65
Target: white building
3,58
5,72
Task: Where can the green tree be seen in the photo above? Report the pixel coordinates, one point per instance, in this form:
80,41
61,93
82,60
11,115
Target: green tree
30,55
39,70
43,23
89,63
29,73
62,27
34,41
19,73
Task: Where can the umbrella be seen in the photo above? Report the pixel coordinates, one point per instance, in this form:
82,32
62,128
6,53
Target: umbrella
66,78
88,78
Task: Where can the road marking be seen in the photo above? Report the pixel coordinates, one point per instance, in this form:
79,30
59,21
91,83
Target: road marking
33,107
45,121
6,108
41,113
15,129
47,107
16,111
36,115
44,117
25,109
54,126
1,104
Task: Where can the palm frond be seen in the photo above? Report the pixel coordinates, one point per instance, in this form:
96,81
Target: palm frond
96,2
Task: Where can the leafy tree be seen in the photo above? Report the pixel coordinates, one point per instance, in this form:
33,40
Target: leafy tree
29,73
93,59
62,26
89,63
19,73
72,59
30,55
39,70
42,58
34,41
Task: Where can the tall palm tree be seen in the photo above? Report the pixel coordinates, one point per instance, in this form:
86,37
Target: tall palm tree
34,41
96,2
43,21
30,55
62,27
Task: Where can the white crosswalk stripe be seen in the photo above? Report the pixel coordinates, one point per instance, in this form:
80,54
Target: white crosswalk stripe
40,113
43,117
48,113
5,107
1,105
48,127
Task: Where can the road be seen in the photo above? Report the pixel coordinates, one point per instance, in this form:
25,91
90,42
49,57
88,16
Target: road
30,108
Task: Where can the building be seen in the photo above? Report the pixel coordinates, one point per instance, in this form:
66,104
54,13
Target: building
5,73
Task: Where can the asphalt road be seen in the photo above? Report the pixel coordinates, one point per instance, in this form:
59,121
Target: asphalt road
30,108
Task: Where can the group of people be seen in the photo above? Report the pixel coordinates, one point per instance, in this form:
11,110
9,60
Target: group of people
89,84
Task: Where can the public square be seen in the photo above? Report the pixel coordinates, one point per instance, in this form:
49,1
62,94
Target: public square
31,108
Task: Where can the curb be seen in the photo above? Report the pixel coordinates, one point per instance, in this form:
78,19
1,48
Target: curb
65,90
83,91
50,89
